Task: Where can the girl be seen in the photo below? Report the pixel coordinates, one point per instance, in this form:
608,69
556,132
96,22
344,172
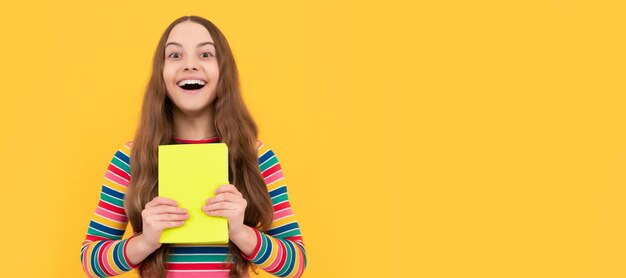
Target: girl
193,96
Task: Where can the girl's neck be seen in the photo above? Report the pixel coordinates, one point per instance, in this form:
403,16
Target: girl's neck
194,126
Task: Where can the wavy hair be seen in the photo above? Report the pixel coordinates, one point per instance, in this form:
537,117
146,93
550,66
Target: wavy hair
234,126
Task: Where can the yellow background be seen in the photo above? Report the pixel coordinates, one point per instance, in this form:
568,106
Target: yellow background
433,139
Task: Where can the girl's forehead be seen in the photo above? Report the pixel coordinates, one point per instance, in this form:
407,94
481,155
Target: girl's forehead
189,32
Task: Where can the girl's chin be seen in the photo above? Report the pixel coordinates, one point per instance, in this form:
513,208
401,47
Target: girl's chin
191,107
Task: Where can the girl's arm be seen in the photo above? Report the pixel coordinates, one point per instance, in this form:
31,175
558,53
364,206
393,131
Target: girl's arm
138,249
104,253
280,250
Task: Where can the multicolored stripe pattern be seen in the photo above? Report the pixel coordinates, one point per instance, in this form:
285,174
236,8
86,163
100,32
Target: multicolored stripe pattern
280,251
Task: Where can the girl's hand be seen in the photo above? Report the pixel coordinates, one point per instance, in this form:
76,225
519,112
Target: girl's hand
228,202
159,214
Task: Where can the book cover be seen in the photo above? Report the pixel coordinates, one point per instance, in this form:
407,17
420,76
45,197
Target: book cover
189,174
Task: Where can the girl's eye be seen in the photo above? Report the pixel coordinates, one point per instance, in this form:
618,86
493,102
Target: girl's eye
174,55
206,55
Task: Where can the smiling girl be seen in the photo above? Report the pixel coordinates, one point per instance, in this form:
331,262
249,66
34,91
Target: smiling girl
193,96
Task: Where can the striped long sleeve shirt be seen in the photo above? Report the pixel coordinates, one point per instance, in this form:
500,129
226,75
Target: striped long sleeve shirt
279,251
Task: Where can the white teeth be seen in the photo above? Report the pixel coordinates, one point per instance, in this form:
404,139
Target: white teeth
191,81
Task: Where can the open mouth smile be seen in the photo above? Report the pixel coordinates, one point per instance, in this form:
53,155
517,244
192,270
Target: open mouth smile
191,85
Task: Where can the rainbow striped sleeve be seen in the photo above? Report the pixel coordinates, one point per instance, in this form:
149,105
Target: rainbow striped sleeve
103,253
280,251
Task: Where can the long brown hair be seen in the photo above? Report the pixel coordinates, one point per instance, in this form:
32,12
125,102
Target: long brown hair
234,126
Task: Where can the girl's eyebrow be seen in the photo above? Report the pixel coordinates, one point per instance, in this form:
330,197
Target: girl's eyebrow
199,45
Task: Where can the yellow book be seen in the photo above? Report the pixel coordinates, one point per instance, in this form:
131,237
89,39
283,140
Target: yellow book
189,174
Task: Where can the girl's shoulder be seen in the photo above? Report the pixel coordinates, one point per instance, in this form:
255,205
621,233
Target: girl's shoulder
264,149
125,148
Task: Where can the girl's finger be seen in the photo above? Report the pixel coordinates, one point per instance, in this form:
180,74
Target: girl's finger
220,206
167,209
170,217
224,197
171,224
161,201
222,212
227,188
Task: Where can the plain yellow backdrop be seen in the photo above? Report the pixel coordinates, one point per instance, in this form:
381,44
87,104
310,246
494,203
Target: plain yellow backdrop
419,138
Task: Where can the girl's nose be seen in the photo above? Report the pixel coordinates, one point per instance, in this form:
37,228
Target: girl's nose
191,64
